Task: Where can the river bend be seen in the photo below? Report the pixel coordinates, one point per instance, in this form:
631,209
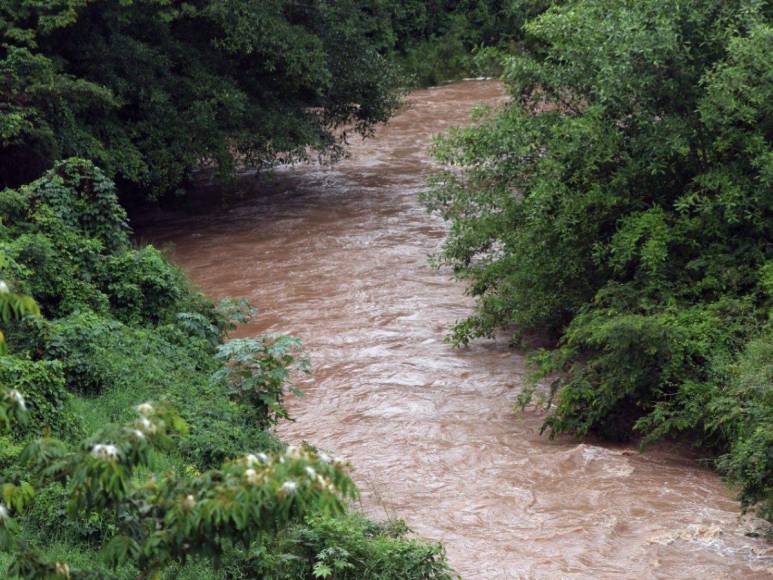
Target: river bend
338,256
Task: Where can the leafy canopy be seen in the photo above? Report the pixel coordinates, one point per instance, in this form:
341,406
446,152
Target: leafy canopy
622,203
152,90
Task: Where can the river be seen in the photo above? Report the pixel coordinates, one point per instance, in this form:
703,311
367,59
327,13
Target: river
338,256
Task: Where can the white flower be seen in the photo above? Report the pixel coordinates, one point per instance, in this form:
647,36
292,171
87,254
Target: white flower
292,451
136,433
144,409
289,487
62,569
338,460
17,398
325,483
147,426
4,287
3,513
109,452
311,471
251,476
325,457
189,502
252,459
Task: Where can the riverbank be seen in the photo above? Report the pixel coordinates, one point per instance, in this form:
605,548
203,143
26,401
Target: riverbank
338,256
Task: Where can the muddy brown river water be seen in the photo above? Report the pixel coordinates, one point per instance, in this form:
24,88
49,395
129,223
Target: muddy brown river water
338,256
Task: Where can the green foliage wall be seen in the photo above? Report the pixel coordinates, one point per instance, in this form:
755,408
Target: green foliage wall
152,90
443,40
622,203
93,480
47,400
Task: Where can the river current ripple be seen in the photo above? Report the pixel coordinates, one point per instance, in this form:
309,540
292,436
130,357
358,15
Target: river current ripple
338,256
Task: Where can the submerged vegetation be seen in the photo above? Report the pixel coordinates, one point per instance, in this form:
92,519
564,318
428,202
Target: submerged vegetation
622,204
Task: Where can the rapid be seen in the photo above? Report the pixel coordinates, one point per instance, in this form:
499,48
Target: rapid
338,256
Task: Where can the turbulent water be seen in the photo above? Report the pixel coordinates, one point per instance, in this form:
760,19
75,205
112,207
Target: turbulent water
338,256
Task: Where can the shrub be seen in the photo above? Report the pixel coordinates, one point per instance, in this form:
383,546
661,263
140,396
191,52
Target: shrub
41,383
9,452
257,370
48,518
77,196
742,414
66,239
92,350
349,547
158,521
99,356
142,286
620,204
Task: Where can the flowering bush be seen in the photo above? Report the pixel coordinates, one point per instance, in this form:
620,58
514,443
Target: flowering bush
172,517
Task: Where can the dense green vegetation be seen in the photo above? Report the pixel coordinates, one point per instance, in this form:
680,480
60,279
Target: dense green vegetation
93,477
445,40
151,90
107,97
622,204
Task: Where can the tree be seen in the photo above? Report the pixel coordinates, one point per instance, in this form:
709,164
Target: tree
621,203
152,90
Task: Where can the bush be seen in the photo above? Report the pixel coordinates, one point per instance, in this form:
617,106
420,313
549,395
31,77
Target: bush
143,287
66,239
349,547
99,356
257,371
67,244
49,519
77,196
620,204
41,383
154,521
742,414
126,326
93,351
